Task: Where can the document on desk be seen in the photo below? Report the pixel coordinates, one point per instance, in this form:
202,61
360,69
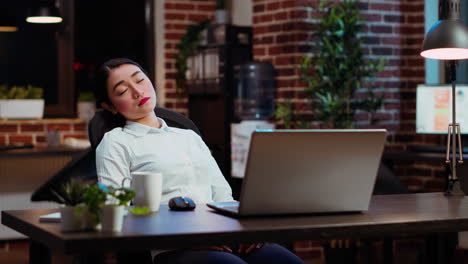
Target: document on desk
50,218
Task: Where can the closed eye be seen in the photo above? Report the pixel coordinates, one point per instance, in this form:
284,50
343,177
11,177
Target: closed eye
121,93
139,81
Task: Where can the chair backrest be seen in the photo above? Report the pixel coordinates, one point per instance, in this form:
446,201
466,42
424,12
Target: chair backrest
104,121
83,167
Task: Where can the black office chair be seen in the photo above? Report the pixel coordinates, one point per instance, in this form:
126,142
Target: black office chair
83,167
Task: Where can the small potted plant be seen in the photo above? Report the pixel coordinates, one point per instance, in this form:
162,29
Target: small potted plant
21,102
73,211
86,106
107,204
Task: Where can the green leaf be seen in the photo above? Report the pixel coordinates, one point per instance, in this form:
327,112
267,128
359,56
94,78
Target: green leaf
137,210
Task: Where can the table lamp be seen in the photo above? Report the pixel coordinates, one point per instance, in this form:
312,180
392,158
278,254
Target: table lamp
448,40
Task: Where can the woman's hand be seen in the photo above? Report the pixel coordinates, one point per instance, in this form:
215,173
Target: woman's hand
245,249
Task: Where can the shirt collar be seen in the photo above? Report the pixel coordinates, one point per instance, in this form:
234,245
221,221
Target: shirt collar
139,130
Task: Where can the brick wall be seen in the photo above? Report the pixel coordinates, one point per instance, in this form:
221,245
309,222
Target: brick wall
178,15
34,131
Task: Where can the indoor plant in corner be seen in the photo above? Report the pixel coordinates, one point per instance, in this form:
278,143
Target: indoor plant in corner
106,205
336,71
20,102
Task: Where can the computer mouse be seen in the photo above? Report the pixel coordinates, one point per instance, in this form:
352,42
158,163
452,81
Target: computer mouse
181,203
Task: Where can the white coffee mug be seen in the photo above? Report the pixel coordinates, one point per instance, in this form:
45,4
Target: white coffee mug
148,189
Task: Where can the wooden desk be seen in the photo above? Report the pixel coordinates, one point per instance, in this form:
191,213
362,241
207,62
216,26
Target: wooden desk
388,215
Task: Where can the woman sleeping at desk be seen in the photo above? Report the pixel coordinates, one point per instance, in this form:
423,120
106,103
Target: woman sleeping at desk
184,160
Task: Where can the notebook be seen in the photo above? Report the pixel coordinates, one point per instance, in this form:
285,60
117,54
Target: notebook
308,171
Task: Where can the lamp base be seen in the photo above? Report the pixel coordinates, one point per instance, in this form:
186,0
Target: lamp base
454,188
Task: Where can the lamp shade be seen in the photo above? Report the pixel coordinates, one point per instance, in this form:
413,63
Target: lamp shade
44,14
448,38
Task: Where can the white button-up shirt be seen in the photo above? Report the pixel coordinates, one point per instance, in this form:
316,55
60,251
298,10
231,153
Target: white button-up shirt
181,156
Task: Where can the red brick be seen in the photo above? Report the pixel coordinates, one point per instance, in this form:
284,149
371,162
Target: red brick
259,8
383,7
256,19
41,139
415,62
287,4
372,17
382,51
265,40
284,61
181,105
8,128
203,7
170,75
184,6
274,28
61,127
197,17
410,30
180,26
174,16
381,29
174,36
259,51
169,85
281,16
275,50
298,14
80,127
409,7
391,40
260,30
394,18
266,18
371,40
2,139
26,139
31,128
273,6
169,55
414,41
285,72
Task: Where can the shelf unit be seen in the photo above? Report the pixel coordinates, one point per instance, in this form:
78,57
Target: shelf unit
211,85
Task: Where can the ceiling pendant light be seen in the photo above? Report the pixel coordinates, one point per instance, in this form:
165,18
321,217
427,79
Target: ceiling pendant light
45,12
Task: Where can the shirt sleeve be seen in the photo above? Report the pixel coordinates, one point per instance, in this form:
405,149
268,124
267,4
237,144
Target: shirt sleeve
220,189
112,161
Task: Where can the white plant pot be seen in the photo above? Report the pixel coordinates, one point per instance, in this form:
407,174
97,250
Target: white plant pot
89,221
222,16
86,110
112,217
22,108
69,220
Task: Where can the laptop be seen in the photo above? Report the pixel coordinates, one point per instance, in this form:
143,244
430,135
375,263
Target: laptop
308,171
